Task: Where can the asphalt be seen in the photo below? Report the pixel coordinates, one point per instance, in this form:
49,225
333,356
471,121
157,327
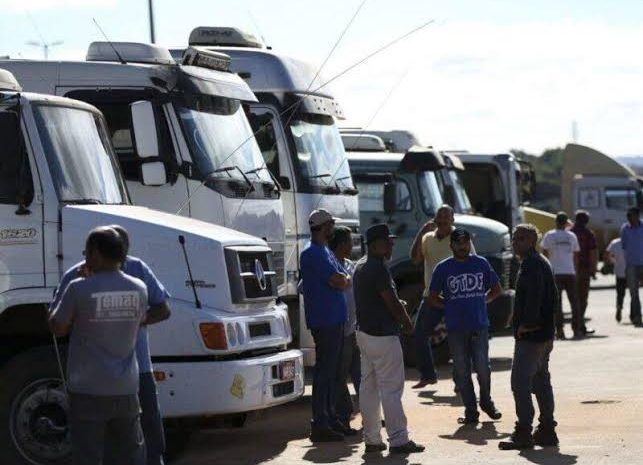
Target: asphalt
598,385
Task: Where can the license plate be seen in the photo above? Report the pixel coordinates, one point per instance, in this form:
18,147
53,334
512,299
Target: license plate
287,370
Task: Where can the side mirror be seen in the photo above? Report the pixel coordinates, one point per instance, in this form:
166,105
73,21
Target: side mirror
390,198
153,174
144,124
284,182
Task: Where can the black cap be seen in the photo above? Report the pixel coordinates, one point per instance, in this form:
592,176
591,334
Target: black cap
459,233
378,231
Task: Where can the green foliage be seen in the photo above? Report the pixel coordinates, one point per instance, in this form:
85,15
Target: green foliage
548,168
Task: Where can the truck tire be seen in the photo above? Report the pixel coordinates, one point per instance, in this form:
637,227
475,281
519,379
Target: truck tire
33,410
412,293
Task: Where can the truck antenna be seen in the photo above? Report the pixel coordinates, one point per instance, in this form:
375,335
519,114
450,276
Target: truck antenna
120,58
263,38
197,302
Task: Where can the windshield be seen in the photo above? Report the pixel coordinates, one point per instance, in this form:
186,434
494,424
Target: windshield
429,192
79,155
320,152
220,138
461,197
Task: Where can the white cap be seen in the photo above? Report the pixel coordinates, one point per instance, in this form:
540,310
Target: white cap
8,81
319,217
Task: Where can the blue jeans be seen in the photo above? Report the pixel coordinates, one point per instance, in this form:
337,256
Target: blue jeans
328,350
471,348
151,420
633,274
530,374
428,318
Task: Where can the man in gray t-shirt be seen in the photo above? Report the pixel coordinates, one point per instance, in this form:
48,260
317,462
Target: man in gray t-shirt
102,314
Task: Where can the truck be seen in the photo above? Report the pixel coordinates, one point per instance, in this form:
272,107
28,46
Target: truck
223,352
197,150
601,185
294,122
402,189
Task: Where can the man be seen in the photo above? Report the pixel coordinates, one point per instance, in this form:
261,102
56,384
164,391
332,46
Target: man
587,265
616,256
380,313
632,242
323,283
463,285
561,248
533,324
102,315
341,244
431,245
157,311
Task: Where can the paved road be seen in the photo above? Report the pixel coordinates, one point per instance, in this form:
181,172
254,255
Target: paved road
598,385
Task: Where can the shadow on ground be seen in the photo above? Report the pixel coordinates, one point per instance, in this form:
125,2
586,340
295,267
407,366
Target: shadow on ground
477,435
549,456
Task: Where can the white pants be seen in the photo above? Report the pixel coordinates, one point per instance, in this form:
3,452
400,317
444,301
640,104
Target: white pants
382,382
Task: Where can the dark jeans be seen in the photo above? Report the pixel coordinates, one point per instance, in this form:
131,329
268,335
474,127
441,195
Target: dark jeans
471,348
349,366
634,274
530,374
583,279
151,420
328,350
106,430
621,286
427,319
567,283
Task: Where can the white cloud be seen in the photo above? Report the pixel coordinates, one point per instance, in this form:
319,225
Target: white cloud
40,5
493,87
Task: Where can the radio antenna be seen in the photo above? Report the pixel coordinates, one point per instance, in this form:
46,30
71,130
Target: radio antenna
120,58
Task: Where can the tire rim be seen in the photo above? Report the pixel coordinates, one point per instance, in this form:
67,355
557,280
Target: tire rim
38,423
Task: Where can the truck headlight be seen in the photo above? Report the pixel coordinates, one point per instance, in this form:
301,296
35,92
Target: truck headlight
214,335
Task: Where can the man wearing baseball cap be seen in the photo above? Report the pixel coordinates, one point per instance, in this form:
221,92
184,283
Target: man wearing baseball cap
380,314
463,285
323,283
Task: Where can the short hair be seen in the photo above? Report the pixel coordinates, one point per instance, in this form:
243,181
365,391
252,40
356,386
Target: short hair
340,235
582,217
529,229
122,232
107,242
445,207
561,218
634,210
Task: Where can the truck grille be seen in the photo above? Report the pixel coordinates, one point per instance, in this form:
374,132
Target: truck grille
502,267
252,274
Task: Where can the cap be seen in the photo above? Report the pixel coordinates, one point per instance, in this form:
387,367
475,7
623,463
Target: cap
319,217
460,233
378,231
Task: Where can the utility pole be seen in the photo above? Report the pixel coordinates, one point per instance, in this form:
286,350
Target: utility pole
574,131
150,7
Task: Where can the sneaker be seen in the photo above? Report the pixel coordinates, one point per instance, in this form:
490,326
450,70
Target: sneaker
408,448
520,439
560,335
587,330
491,411
425,382
468,420
381,447
326,435
619,314
545,436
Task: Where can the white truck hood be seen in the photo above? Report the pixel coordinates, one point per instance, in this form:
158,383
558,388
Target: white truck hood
154,237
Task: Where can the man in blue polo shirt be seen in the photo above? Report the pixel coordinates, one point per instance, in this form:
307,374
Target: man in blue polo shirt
323,283
463,285
632,242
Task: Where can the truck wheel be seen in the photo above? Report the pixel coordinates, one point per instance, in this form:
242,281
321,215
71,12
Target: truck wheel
33,410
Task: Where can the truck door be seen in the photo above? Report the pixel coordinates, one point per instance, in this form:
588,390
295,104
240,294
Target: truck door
21,211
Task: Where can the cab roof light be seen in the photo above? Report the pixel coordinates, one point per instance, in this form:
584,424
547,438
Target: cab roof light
8,81
196,56
223,36
363,143
132,52
419,158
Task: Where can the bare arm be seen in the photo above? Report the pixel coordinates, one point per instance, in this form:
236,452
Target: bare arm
435,300
397,309
416,248
339,281
157,313
494,293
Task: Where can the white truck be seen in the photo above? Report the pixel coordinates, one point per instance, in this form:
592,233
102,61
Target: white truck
295,127
222,353
188,121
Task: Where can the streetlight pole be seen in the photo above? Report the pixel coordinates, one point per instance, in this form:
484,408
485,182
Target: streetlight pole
150,7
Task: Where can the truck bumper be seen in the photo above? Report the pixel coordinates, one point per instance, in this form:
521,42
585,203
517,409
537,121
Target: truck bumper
197,389
501,311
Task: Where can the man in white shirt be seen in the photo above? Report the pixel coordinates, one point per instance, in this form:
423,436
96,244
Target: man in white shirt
561,248
616,256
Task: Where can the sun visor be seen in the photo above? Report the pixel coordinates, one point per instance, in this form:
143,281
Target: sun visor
453,162
421,159
207,81
317,105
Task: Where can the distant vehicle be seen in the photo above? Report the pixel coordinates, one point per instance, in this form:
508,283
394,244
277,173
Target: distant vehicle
601,185
402,189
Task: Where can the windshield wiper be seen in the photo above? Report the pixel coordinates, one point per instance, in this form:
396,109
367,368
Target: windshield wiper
84,202
320,176
227,169
275,183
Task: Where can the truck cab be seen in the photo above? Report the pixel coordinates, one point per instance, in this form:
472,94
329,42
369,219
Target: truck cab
294,122
402,189
180,132
222,353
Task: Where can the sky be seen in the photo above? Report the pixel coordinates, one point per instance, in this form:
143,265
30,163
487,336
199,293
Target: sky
485,76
